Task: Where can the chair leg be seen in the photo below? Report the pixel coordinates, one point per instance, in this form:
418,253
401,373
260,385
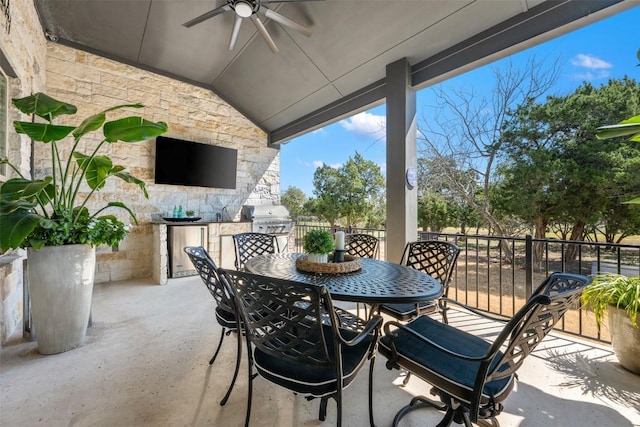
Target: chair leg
417,403
338,398
323,408
235,373
250,388
448,417
215,354
467,419
371,362
405,381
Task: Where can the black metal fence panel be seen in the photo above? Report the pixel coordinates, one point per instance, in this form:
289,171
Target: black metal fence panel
497,274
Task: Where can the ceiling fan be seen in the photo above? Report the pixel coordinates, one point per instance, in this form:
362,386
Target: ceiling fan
250,9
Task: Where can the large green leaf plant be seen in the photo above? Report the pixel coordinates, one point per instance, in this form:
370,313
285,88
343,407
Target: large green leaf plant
53,211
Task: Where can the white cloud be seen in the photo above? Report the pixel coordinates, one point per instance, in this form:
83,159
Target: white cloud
590,62
383,168
594,68
366,124
321,131
336,165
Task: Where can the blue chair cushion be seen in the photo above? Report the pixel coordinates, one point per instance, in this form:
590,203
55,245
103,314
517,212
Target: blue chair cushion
313,379
450,374
226,319
404,312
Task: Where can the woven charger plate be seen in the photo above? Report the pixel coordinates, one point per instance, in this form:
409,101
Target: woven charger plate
349,265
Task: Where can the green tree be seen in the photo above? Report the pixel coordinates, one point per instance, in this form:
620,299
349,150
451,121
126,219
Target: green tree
434,213
351,191
377,215
362,183
553,167
462,135
294,199
328,201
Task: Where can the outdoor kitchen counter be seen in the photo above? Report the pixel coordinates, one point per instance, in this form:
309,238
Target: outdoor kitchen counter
219,234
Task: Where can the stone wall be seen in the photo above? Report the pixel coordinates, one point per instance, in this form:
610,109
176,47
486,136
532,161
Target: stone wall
23,60
93,84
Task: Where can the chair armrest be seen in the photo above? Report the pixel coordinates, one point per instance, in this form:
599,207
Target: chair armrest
374,323
469,308
393,334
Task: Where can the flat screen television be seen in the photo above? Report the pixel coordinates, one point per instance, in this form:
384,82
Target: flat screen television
181,162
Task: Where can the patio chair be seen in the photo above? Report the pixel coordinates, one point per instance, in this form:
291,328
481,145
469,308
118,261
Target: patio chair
225,310
250,244
362,245
470,375
296,338
437,259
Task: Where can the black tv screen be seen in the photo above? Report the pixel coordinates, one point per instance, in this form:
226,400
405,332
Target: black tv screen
181,162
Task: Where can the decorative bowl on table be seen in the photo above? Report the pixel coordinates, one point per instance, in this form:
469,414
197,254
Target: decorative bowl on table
349,265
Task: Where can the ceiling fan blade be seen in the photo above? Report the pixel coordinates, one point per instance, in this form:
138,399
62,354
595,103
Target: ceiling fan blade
207,15
234,34
283,20
263,32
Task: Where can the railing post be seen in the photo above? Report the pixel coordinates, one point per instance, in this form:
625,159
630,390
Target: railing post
528,265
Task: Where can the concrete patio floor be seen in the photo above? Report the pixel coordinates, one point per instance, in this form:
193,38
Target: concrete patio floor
145,363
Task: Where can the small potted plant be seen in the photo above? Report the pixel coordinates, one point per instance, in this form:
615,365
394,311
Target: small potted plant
318,244
619,296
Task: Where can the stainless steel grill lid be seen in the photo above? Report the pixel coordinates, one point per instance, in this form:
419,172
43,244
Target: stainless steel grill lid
272,219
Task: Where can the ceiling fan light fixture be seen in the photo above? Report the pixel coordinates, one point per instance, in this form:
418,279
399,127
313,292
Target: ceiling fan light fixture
243,9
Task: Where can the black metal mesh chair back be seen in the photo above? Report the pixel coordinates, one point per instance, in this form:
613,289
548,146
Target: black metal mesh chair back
362,245
546,306
473,388
297,340
249,245
208,271
434,257
225,308
283,318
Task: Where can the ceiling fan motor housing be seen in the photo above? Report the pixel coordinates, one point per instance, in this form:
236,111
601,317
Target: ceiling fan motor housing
249,9
244,8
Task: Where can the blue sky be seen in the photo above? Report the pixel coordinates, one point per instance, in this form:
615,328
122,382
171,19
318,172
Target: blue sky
603,50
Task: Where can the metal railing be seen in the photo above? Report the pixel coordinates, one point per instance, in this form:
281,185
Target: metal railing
497,274
300,229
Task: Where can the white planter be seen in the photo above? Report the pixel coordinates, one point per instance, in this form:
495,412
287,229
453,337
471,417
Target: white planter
60,288
625,339
317,257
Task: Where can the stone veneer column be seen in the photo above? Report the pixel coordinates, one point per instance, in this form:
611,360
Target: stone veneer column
23,60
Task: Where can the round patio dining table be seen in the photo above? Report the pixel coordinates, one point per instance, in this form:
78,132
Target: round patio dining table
377,282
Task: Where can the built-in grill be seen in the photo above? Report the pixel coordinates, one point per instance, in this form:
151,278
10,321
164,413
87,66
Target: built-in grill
271,219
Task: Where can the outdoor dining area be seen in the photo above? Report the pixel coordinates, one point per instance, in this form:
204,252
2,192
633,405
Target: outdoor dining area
369,336
172,355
